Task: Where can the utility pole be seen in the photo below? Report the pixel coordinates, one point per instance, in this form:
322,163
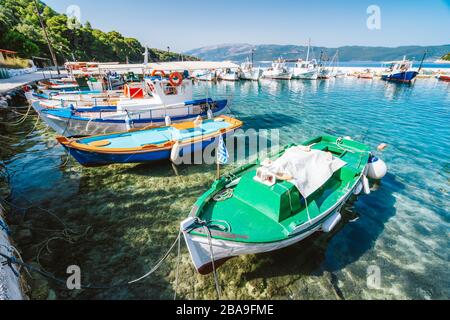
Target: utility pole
52,53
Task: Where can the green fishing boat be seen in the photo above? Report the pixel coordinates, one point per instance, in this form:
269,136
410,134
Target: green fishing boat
268,205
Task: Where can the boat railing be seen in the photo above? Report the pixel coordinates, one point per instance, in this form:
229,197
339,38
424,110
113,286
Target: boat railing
137,115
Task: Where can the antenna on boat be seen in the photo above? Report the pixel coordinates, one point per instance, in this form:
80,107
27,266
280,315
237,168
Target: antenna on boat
309,46
145,54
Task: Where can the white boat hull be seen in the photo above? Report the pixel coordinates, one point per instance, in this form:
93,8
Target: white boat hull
206,77
116,121
277,75
230,77
200,248
305,74
253,75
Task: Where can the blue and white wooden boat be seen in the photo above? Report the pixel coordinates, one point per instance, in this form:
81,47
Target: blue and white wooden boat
146,145
154,102
400,71
107,119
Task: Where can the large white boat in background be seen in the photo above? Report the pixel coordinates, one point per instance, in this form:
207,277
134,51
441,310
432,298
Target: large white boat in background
308,70
205,75
249,72
279,70
229,75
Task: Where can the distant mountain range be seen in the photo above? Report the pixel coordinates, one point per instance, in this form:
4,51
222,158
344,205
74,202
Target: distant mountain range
240,51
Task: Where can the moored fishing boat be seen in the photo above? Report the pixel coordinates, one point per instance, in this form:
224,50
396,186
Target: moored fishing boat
55,86
400,71
106,119
151,103
249,72
443,77
229,75
148,145
306,70
265,206
278,71
366,74
205,75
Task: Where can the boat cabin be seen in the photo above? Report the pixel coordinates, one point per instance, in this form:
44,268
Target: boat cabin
398,66
154,92
279,64
305,64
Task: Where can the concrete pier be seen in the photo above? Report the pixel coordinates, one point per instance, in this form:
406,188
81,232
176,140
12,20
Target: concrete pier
19,81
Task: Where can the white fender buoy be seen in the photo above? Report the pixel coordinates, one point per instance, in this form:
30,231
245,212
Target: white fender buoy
198,122
332,222
376,169
358,189
175,153
168,121
210,114
128,122
366,186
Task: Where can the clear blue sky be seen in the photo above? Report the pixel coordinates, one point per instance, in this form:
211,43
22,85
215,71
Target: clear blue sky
188,24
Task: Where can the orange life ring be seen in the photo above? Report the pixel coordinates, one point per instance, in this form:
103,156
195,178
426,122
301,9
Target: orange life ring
178,76
160,72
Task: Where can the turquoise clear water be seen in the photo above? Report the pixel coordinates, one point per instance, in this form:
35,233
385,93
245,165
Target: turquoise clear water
133,211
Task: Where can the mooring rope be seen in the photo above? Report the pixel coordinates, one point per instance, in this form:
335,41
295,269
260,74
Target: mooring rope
11,260
211,251
178,267
19,122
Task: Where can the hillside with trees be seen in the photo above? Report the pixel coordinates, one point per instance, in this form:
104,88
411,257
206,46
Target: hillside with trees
20,31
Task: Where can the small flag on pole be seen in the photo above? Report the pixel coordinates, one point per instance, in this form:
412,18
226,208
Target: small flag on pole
222,155
222,152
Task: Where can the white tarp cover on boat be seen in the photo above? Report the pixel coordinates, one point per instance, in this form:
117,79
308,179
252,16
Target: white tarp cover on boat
9,282
309,168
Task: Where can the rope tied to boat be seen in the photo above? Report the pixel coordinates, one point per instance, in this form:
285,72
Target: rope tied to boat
206,225
11,260
224,195
211,251
21,120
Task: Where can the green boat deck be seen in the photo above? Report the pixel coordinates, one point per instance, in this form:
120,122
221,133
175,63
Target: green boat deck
258,213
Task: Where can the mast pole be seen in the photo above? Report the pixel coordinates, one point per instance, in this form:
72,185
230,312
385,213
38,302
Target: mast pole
309,46
49,43
423,59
